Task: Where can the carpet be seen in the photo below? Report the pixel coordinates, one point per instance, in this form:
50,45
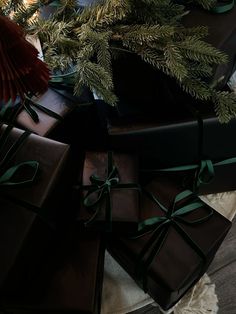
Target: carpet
121,294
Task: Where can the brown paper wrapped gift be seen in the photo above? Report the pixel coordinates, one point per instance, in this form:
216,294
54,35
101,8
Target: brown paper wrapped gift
110,192
175,248
42,195
73,280
25,242
45,123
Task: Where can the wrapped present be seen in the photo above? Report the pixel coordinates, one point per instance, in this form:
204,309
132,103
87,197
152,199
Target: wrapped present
171,141
25,242
197,148
42,115
177,240
18,148
206,177
110,192
74,269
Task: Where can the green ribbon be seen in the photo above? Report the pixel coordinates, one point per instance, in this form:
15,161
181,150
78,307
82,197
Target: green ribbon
7,177
100,190
223,6
29,103
7,174
205,171
159,226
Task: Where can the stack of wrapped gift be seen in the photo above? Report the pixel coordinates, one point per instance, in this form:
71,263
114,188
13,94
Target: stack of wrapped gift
59,215
164,236
129,183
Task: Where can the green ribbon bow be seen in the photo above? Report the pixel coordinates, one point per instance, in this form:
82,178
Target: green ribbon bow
100,190
159,226
7,174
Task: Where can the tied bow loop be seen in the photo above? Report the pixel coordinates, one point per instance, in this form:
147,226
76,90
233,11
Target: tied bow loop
8,174
100,187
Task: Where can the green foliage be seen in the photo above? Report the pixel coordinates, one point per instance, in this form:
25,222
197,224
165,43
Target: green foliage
88,38
225,105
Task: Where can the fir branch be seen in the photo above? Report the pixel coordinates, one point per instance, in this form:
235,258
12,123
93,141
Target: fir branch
198,32
225,105
200,70
97,79
104,13
57,62
51,31
144,33
198,50
175,63
24,13
163,12
196,88
206,4
150,29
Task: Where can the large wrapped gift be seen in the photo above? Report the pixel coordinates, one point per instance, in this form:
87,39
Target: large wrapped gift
26,157
205,177
198,144
110,192
177,240
73,283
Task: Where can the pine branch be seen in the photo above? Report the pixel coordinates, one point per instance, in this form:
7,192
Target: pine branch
175,63
196,88
225,105
200,70
97,79
151,29
198,50
163,12
206,4
198,32
105,13
143,33
24,13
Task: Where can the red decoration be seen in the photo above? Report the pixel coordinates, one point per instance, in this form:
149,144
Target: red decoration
20,69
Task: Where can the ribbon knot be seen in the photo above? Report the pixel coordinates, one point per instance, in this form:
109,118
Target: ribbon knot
206,172
100,190
159,226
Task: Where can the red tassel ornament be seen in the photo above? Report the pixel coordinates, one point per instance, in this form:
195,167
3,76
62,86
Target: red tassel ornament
20,69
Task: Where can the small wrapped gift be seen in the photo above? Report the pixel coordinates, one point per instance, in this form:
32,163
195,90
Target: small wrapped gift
110,192
42,115
177,240
73,283
18,147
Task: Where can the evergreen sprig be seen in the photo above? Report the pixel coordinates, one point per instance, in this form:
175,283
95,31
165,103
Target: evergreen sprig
87,39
